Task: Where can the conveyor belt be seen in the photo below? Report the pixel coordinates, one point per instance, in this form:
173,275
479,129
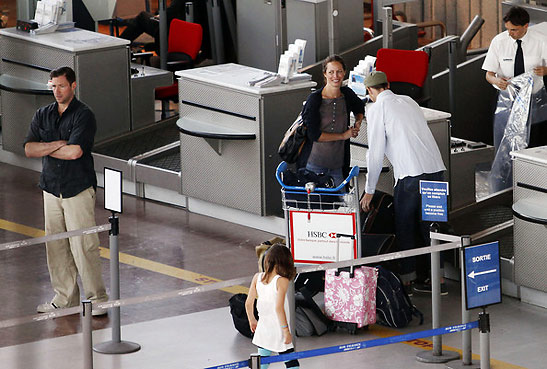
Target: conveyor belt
150,156
169,160
483,218
129,146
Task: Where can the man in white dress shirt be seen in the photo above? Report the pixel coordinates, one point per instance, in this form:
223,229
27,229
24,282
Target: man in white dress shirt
396,127
511,53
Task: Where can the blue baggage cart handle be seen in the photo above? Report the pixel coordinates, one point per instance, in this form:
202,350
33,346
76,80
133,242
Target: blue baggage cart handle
283,166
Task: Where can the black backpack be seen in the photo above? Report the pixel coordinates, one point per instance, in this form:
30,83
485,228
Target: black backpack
239,315
393,306
293,141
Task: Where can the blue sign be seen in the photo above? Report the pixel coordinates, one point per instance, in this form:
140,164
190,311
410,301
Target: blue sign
482,275
434,201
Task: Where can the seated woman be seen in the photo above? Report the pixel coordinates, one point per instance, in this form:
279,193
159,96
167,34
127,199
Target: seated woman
327,116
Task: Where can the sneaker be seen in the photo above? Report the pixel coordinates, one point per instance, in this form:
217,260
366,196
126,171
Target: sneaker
425,287
46,307
98,312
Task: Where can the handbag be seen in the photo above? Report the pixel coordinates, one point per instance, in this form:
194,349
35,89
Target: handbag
293,141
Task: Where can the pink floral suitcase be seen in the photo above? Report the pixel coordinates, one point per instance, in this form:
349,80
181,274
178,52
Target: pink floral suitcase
351,300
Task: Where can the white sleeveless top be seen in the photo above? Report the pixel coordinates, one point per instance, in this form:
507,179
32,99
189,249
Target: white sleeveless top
269,334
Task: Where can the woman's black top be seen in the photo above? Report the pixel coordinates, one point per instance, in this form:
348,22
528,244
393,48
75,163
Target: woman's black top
312,119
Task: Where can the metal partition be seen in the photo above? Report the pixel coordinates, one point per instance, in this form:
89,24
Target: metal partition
405,36
474,100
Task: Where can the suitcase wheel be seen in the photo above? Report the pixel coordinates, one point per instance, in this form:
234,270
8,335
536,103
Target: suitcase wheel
350,327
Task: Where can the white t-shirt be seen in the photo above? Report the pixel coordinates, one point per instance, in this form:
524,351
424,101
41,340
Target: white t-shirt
268,333
500,58
396,127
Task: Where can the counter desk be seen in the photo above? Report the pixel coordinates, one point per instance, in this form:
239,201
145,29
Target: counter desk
230,133
101,64
530,223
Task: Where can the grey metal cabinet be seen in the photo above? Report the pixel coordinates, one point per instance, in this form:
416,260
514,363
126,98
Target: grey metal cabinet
261,33
530,227
101,64
308,20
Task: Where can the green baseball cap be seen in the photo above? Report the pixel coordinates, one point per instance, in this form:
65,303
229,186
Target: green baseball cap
375,78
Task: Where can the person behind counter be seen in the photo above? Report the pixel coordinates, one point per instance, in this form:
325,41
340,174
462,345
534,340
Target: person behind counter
396,127
146,22
511,53
326,113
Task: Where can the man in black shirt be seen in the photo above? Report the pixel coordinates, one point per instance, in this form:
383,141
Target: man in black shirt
62,134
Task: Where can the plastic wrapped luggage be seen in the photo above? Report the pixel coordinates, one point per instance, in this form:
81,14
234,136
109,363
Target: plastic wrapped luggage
350,298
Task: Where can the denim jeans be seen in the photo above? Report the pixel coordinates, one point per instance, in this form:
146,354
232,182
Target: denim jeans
410,231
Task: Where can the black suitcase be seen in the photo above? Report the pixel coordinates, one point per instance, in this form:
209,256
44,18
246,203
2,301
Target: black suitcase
381,218
378,226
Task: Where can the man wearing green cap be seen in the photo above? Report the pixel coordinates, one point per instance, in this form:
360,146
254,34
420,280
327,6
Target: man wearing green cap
396,127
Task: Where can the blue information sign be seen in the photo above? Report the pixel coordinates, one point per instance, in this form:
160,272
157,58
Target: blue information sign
434,201
482,275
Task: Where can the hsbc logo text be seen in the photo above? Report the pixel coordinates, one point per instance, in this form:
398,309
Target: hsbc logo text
316,234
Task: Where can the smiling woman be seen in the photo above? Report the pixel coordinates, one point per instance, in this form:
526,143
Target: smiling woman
326,114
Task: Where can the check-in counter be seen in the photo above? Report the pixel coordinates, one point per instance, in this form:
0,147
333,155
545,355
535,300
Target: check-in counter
101,64
230,133
530,227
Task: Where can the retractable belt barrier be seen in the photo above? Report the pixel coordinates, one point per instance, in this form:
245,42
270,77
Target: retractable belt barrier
352,346
53,237
454,242
206,287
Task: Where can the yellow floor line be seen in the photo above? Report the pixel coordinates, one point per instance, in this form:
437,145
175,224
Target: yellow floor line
170,271
21,229
132,260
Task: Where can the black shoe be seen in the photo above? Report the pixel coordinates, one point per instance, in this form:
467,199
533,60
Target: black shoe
425,287
409,289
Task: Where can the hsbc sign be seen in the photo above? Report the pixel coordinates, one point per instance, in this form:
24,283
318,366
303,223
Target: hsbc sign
313,236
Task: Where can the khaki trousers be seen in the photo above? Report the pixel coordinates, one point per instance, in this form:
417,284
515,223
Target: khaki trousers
67,258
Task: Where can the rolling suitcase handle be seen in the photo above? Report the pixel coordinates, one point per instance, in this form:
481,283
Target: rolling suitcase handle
338,235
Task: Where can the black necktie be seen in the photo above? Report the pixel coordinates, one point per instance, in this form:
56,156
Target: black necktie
519,60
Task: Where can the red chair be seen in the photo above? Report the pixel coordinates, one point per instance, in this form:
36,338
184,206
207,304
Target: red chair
406,71
183,49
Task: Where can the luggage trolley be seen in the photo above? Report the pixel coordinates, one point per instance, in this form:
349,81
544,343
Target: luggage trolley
323,224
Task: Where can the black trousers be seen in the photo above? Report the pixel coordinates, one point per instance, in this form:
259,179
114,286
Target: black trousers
142,23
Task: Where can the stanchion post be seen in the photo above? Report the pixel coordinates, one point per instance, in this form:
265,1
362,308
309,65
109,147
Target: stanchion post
467,359
116,345
484,329
436,355
387,27
87,334
292,309
436,293
466,315
115,276
254,361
